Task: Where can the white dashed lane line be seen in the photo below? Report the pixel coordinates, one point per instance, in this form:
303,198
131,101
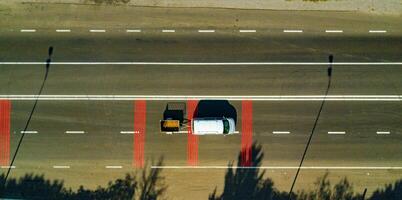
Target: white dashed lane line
336,132
206,31
113,167
129,132
75,132
29,132
28,30
61,167
97,31
63,30
203,31
383,132
280,132
247,31
334,31
133,31
377,31
292,31
8,167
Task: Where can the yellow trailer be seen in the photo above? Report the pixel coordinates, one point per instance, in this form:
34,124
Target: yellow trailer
170,125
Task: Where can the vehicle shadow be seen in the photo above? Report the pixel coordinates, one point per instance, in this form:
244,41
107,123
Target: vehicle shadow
215,109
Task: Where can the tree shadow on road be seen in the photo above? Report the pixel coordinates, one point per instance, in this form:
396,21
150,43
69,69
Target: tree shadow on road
391,191
249,183
149,185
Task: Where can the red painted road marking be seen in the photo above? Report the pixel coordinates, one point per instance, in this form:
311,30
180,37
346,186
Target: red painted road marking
192,140
5,108
139,132
246,132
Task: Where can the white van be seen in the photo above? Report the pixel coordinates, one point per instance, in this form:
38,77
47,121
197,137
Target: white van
213,126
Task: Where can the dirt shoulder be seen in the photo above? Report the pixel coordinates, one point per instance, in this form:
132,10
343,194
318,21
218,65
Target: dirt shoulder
389,7
74,16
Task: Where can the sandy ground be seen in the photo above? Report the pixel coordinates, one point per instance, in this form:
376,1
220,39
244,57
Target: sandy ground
80,18
389,7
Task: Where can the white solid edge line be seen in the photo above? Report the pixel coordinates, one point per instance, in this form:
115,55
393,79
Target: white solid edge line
377,31
282,167
292,31
7,167
383,132
334,31
205,97
281,132
63,30
75,132
247,31
168,31
336,132
206,31
29,132
97,31
113,167
61,167
28,30
206,63
133,31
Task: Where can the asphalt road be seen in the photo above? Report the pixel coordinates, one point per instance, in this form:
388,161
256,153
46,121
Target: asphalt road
103,145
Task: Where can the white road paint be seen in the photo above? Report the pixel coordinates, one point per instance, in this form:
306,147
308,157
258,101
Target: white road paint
281,132
97,31
292,31
334,31
29,132
61,167
63,30
8,167
113,167
284,167
28,30
383,132
244,64
212,30
133,31
206,31
168,31
377,31
129,132
336,132
247,31
177,132
75,132
203,97
185,132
